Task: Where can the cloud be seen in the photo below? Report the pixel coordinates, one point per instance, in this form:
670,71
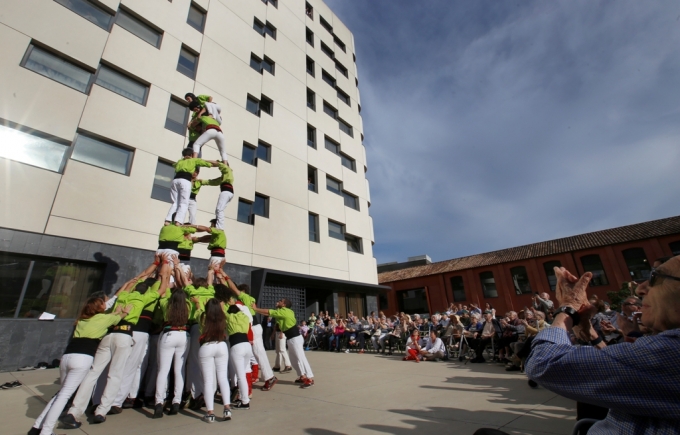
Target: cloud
494,124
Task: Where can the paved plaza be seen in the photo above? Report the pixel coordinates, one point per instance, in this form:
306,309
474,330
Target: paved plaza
354,394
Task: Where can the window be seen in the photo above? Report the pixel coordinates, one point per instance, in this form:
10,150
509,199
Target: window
458,289
264,29
327,51
348,162
313,228
264,152
104,155
343,97
488,285
354,244
258,26
339,43
548,267
268,65
330,110
413,301
310,37
122,85
334,186
58,69
675,248
331,146
267,106
311,136
89,11
35,149
309,10
31,285
383,304
336,230
346,128
253,105
351,201
270,30
311,179
261,206
592,263
188,63
274,3
340,67
176,119
262,65
248,155
196,18
637,263
520,280
165,173
139,28
245,212
311,99
325,24
328,78
310,66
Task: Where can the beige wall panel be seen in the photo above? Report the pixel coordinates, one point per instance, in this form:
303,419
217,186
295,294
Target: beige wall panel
328,204
329,163
296,8
30,99
239,235
323,62
353,182
285,90
284,234
357,222
233,32
320,8
26,205
285,178
76,229
362,269
244,185
352,148
238,257
288,24
325,92
330,253
57,27
228,75
140,122
280,264
327,126
285,131
287,56
328,273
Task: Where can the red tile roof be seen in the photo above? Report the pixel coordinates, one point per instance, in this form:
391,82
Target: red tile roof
612,236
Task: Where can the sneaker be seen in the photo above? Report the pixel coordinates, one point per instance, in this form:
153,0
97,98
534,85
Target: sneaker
533,384
34,431
287,369
158,411
241,405
70,422
300,380
198,403
174,409
346,350
209,418
97,419
115,410
227,415
276,369
308,383
10,385
269,383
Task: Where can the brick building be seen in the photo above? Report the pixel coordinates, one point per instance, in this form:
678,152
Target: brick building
507,278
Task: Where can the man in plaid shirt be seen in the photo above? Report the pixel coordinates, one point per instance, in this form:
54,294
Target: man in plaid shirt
639,381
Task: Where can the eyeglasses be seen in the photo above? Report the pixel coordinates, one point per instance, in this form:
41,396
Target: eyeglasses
654,275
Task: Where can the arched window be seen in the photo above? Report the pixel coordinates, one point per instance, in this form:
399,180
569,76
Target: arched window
520,280
637,263
593,264
488,285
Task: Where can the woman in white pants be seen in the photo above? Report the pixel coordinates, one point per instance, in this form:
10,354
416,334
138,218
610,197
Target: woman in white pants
241,351
213,355
173,346
282,359
92,325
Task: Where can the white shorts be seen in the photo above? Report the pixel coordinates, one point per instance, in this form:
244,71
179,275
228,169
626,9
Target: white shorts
216,260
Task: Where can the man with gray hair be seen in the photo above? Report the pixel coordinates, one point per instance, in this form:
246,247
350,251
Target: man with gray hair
542,302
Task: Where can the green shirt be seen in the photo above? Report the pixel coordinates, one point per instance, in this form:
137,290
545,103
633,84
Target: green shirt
203,294
285,317
197,184
186,244
227,176
174,233
247,301
190,165
218,239
138,301
208,120
237,323
96,326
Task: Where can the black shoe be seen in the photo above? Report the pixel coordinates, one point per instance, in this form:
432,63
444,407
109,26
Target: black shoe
174,409
97,419
533,384
241,405
158,411
512,368
276,369
197,403
115,410
128,403
34,431
149,402
70,422
137,403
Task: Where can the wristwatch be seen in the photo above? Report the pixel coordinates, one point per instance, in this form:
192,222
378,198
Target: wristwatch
569,311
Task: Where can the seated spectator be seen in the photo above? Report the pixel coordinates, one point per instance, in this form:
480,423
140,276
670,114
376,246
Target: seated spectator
336,336
444,322
534,323
312,320
637,381
542,302
413,347
434,349
490,330
353,336
393,337
475,325
474,309
304,329
488,307
380,331
511,329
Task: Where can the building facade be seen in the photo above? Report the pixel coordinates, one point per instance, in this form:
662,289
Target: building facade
92,115
507,279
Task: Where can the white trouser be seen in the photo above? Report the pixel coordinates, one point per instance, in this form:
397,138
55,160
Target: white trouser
140,343
216,260
114,348
151,373
260,354
194,374
379,342
214,357
180,190
298,358
72,370
193,206
214,110
218,137
222,201
282,360
172,347
240,354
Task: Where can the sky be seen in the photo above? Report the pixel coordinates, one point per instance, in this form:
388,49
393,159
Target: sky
493,124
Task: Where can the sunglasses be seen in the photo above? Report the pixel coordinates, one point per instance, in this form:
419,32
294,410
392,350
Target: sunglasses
654,275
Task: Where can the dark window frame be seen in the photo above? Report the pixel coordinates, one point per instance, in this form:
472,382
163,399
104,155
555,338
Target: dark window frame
309,36
180,102
674,247
340,67
327,50
349,129
311,142
339,192
342,96
339,43
632,269
355,199
145,23
257,103
253,160
250,220
342,230
172,170
202,11
349,239
264,100
310,66
264,198
267,153
95,5
314,234
108,142
328,79
192,52
488,294
117,70
330,109
311,99
313,174
519,289
455,291
325,24
336,149
352,163
68,145
34,44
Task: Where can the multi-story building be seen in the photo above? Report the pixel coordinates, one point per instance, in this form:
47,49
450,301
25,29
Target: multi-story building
92,115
